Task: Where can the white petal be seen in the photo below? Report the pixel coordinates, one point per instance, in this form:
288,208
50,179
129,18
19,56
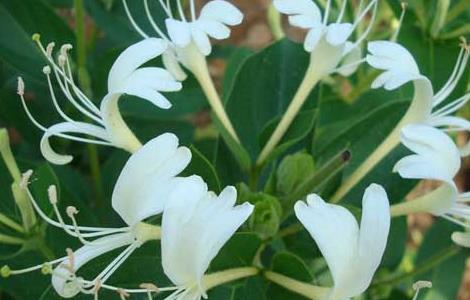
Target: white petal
155,78
173,66
455,124
437,157
313,38
179,32
336,233
132,58
348,67
221,11
338,33
214,29
201,40
82,256
305,8
195,226
143,187
151,95
68,127
302,21
375,226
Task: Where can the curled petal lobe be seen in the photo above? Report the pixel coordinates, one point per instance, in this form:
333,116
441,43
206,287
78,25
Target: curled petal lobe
146,180
437,157
68,289
221,11
313,38
305,9
214,29
68,127
132,58
201,40
179,32
195,226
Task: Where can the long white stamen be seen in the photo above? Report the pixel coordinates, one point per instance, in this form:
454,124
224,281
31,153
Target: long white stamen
454,79
97,231
37,267
193,10
452,107
168,5
456,221
152,21
327,12
59,75
47,72
131,19
116,263
342,11
370,25
394,37
464,197
71,212
180,10
353,64
166,8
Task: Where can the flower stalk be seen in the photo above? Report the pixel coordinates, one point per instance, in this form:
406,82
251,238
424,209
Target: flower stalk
302,288
218,278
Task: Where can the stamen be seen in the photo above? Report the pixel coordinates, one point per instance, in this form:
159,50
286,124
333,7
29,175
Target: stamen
327,12
25,179
71,258
353,64
49,49
116,263
71,212
20,88
364,35
454,78
404,6
168,5
131,19
151,288
180,10
455,221
152,21
193,10
6,271
123,294
452,107
166,8
97,289
342,11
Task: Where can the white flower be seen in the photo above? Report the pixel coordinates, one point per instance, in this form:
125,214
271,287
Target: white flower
125,77
436,158
352,253
143,189
400,68
328,41
189,38
195,226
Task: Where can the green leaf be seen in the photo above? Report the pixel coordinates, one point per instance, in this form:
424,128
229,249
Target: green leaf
239,251
263,89
201,166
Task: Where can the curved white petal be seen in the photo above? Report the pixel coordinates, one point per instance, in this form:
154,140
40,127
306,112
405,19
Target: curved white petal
195,226
375,227
68,127
179,32
201,40
349,63
144,185
398,64
214,29
173,66
302,12
335,231
313,38
352,255
437,157
454,124
221,11
338,33
132,58
68,289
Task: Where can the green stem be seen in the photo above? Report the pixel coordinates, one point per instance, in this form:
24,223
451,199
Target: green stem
8,157
422,268
11,240
302,288
84,81
275,22
289,230
308,83
456,10
218,278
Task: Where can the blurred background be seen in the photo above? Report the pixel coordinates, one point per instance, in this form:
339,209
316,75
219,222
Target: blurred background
99,30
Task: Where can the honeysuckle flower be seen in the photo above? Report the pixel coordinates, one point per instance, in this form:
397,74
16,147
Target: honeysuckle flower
189,42
195,225
330,52
426,106
142,190
461,238
436,158
125,77
353,253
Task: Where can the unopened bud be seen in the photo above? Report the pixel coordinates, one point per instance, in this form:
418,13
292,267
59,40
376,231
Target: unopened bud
20,89
52,193
5,271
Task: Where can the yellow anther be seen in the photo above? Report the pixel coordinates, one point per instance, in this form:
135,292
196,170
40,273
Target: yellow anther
36,37
5,271
46,269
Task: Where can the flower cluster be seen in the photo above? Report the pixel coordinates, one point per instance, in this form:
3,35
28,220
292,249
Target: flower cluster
196,222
